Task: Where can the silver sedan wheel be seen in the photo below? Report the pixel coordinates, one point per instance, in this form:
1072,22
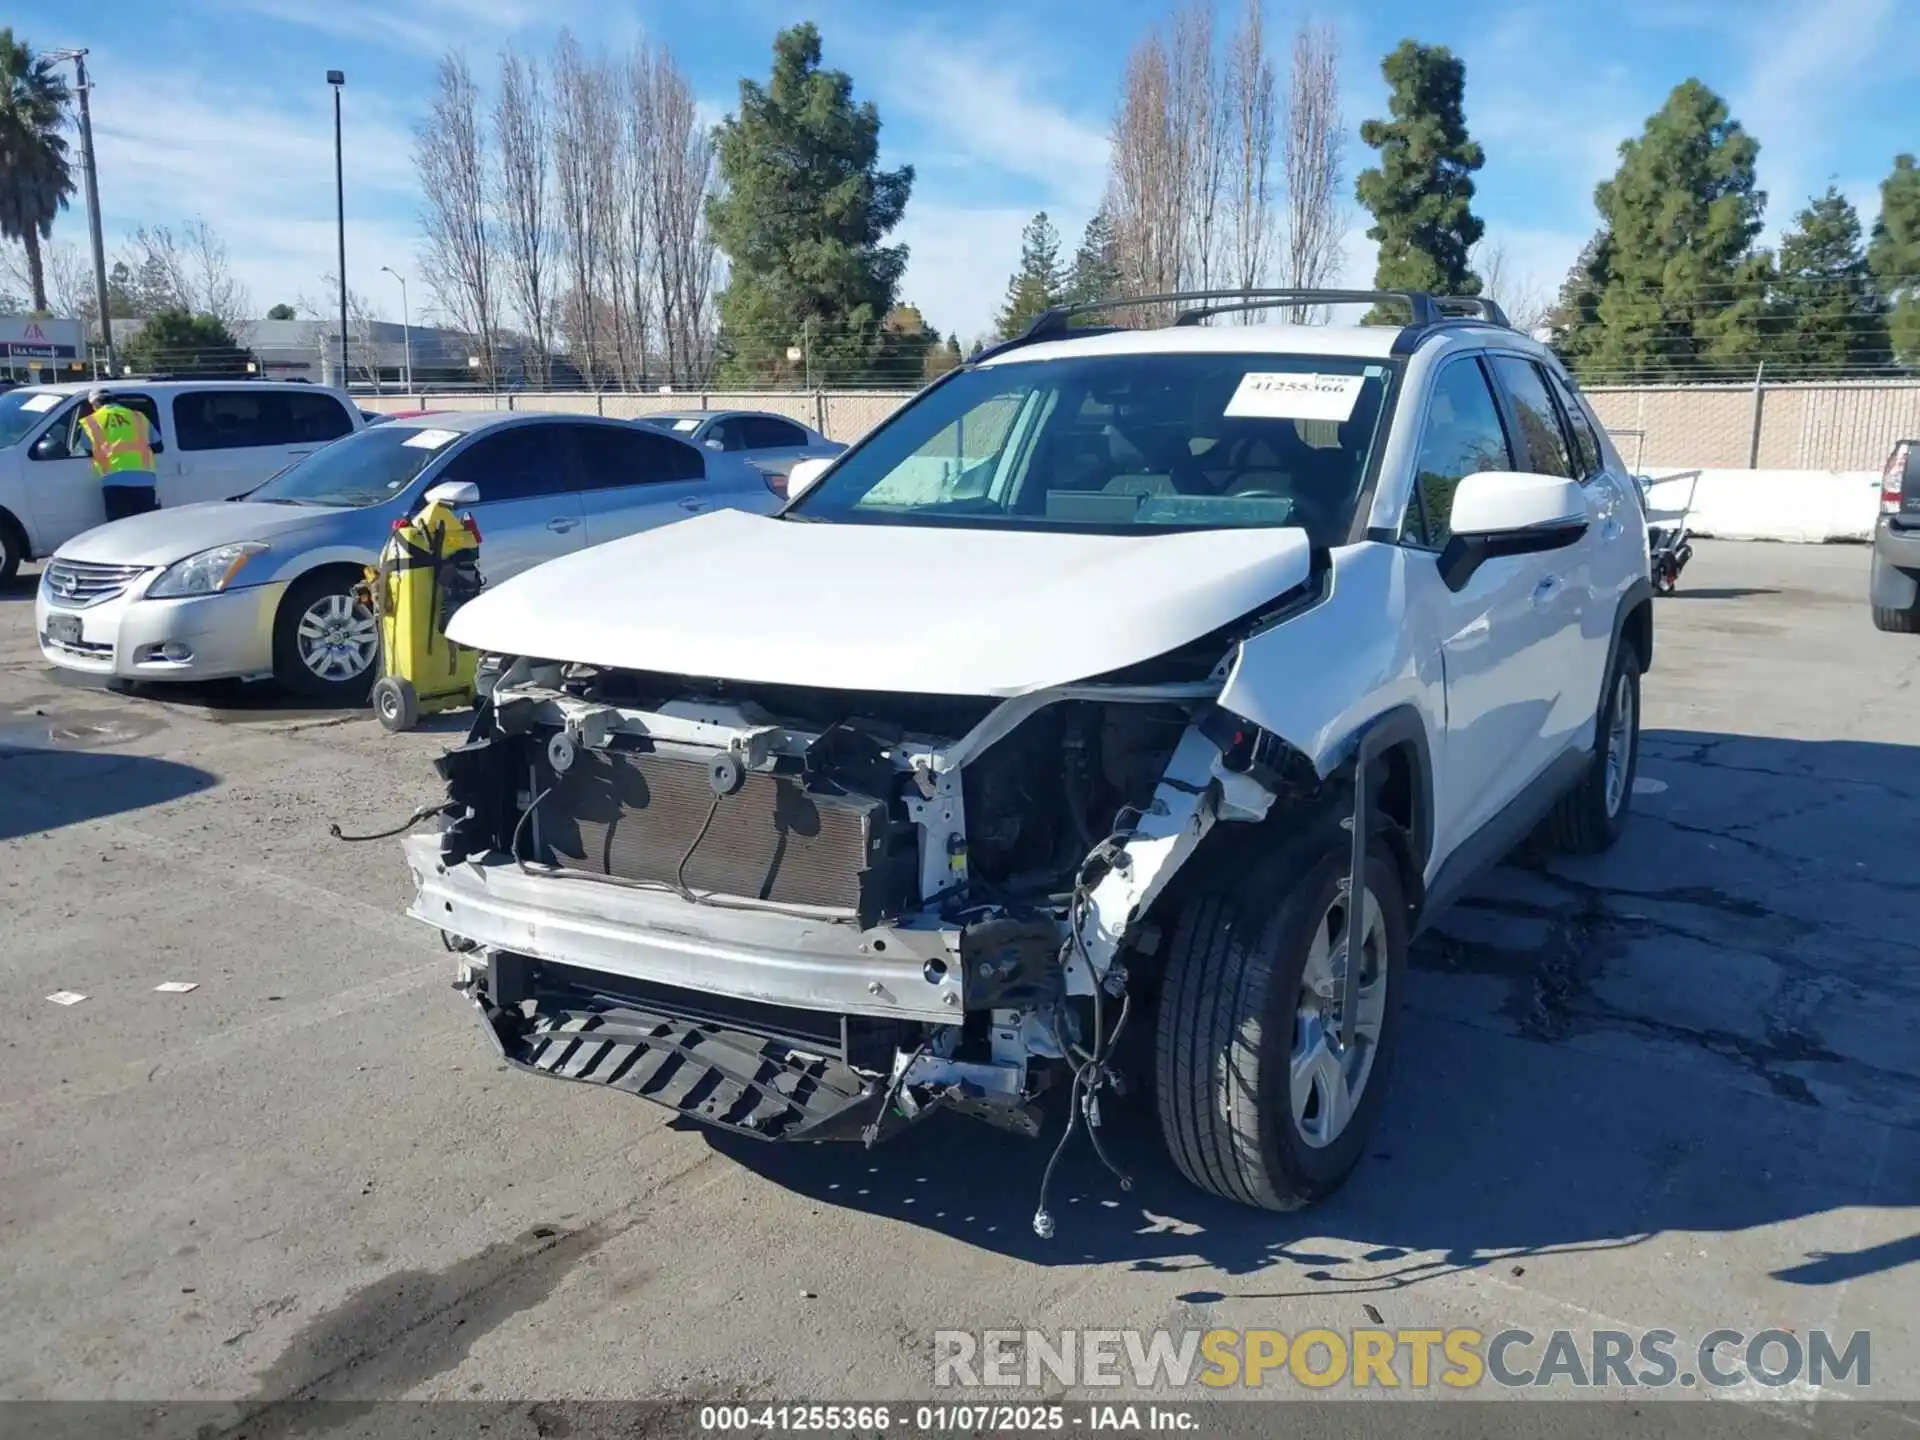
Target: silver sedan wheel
1327,1078
1619,744
337,638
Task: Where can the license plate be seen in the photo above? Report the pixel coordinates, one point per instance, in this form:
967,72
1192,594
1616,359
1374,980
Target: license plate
64,629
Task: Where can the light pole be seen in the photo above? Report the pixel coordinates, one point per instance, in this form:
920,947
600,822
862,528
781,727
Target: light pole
406,326
338,78
81,86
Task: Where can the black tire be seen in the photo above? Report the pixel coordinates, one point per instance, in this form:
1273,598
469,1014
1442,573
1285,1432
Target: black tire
1896,622
1586,821
289,669
13,547
1228,1018
395,704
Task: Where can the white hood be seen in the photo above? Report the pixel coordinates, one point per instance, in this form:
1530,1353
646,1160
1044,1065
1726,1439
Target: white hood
921,610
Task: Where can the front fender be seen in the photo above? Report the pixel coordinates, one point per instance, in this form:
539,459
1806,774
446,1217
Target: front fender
1318,678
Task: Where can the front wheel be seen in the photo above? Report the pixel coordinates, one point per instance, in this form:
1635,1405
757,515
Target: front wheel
326,640
395,703
1260,1099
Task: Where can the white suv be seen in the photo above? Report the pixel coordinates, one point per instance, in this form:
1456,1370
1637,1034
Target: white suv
1027,742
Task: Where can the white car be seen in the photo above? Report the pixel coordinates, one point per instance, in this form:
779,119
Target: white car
1038,722
213,439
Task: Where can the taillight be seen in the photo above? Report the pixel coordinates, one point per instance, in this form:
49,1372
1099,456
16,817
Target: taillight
473,527
776,482
1891,480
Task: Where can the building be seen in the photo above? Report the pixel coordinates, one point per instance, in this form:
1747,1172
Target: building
41,351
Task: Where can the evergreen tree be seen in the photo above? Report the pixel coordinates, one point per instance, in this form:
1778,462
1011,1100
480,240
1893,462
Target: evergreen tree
1575,316
1826,314
282,311
177,342
1096,264
1684,287
1421,192
1894,256
1039,283
36,177
801,213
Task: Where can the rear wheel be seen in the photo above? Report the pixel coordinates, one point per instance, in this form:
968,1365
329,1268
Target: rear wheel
1897,622
326,642
13,547
1259,1100
1590,817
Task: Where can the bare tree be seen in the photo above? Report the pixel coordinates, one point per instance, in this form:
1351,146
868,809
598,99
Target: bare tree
580,143
1197,121
363,351
679,172
189,271
1249,89
521,202
1526,304
1143,184
1312,147
450,156
68,279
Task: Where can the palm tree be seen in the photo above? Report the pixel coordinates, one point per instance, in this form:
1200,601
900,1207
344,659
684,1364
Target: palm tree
35,176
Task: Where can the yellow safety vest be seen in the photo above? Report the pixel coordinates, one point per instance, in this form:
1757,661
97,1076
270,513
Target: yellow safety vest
121,439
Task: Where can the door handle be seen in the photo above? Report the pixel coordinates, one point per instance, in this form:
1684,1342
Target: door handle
691,504
560,524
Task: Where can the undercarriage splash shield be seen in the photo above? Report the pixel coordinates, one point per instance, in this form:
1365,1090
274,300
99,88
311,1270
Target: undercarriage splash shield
732,1079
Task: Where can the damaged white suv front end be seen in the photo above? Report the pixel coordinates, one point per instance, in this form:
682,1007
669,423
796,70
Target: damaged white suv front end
1176,674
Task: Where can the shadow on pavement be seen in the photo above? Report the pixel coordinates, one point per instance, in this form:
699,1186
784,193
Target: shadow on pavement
1708,1029
1724,592
44,789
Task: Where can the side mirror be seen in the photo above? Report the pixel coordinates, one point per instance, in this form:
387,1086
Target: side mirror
803,475
1501,512
713,444
453,494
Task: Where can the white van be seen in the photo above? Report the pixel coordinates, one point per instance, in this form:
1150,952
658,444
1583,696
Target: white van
213,440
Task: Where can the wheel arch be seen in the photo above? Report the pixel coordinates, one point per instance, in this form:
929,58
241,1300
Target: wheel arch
12,525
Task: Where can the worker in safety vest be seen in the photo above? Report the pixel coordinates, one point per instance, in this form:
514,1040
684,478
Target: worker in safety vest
121,442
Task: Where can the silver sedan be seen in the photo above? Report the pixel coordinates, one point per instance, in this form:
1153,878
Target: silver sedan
262,584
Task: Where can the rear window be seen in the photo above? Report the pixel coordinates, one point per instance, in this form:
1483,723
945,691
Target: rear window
1113,443
241,419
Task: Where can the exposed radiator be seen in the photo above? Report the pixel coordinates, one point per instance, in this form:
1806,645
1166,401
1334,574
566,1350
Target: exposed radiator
643,815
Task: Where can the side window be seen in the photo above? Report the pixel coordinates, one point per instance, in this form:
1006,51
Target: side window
314,419
766,433
1541,438
1586,445
228,420
612,456
522,463
1463,434
732,434
67,441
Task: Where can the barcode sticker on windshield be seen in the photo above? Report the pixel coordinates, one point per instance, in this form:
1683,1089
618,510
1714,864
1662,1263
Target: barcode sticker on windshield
40,404
431,439
1273,395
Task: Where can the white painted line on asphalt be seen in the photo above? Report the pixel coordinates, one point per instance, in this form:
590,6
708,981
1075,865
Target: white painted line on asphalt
177,987
66,997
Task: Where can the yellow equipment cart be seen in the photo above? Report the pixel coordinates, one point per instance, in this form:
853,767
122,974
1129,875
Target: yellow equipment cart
428,569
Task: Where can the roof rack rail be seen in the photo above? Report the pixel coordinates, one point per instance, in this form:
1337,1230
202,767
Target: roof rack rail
1473,307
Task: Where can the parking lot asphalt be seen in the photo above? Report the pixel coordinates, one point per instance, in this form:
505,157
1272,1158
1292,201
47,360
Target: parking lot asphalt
1677,1086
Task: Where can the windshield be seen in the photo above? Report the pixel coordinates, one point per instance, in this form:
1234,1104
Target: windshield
364,468
1122,442
23,411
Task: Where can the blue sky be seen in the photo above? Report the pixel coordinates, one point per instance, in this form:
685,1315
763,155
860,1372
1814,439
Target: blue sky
217,109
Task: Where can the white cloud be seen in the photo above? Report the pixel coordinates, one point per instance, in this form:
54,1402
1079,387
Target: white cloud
972,107
959,259
426,27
